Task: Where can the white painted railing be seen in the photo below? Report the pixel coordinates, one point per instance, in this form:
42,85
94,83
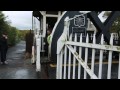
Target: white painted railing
72,65
37,48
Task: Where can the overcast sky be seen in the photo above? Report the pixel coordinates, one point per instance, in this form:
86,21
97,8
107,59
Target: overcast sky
23,19
20,19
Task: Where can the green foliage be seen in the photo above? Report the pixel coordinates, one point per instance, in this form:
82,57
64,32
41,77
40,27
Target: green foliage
116,25
3,23
14,35
23,34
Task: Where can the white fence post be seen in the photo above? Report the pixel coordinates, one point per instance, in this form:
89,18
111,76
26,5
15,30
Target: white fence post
101,58
86,55
65,61
69,62
93,55
60,45
33,55
61,62
74,60
38,44
119,68
80,54
110,59
58,67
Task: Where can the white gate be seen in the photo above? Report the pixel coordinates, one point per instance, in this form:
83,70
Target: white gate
71,64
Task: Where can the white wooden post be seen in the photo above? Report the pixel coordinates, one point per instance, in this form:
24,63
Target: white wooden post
38,43
60,45
86,55
59,14
69,62
74,60
33,55
61,62
65,60
101,58
119,68
110,59
93,54
58,67
80,54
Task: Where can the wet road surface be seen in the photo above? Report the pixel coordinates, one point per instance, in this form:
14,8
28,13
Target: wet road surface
18,67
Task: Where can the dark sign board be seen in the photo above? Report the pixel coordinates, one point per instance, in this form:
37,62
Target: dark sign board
79,31
77,25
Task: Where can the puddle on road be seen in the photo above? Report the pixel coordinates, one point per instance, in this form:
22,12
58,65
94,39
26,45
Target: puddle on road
21,50
21,74
25,74
13,58
16,58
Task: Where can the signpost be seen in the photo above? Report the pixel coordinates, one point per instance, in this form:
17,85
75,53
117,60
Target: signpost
77,25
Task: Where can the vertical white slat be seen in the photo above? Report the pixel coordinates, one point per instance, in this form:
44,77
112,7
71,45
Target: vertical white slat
86,67
59,14
38,64
119,68
33,55
65,60
61,61
74,60
101,59
110,59
80,54
69,65
86,56
58,67
69,62
93,55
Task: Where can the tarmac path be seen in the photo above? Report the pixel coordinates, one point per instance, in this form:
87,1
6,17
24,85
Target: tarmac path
18,67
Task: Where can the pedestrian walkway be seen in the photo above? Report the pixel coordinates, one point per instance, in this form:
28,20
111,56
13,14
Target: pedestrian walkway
18,67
